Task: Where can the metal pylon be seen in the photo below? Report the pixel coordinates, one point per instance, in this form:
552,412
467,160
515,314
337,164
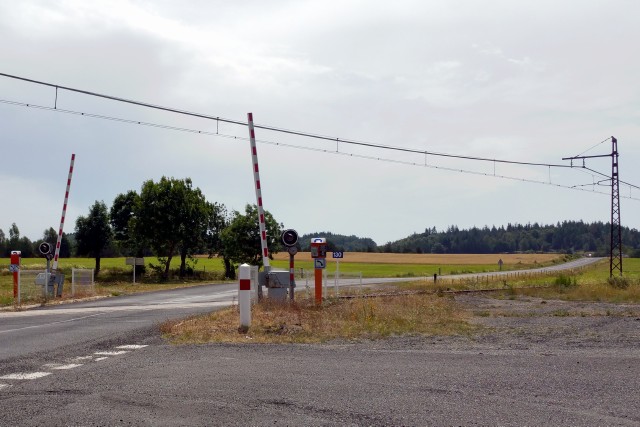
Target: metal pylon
615,256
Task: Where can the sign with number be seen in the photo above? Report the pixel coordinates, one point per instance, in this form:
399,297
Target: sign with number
338,254
320,263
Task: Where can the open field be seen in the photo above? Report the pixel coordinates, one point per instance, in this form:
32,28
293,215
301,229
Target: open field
116,278
433,259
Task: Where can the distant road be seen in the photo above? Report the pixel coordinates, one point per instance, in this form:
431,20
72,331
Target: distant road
572,265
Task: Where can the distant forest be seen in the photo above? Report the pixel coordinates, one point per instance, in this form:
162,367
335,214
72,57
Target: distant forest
565,237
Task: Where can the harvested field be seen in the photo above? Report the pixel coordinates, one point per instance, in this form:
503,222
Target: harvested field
437,259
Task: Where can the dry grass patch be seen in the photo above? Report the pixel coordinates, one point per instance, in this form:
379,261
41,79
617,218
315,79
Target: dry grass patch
599,291
303,322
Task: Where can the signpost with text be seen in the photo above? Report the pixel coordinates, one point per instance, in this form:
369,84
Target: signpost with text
319,255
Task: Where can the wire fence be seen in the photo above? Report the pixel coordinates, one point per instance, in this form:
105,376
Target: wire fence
82,282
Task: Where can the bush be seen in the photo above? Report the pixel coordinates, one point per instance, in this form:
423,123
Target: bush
564,281
619,282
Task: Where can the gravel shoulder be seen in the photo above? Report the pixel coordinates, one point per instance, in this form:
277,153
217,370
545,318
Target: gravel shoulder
529,322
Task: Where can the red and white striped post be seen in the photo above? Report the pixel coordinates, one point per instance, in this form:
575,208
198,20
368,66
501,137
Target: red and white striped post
15,269
64,212
244,295
256,178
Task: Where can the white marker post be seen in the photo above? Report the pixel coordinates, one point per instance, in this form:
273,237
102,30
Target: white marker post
244,295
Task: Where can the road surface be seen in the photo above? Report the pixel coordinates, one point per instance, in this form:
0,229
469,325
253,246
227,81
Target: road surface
103,363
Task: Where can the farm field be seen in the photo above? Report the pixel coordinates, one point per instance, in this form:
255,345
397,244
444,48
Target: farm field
399,262
116,277
440,259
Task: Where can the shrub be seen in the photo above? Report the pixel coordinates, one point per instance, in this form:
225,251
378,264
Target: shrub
564,281
619,282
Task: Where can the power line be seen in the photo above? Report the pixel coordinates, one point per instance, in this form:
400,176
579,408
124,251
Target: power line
321,150
589,149
282,130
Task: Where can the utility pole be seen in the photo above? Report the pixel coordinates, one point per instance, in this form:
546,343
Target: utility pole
615,243
615,257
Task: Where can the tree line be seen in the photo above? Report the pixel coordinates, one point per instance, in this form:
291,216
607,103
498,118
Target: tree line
169,218
567,237
28,248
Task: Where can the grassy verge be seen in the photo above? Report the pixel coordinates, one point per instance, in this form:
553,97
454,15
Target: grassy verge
303,322
372,318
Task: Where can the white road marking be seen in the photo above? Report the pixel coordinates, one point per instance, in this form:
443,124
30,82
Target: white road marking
110,353
81,358
59,366
131,347
3,386
98,359
25,376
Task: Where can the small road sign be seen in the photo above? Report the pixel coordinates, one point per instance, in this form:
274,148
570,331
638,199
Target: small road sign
14,268
338,254
320,262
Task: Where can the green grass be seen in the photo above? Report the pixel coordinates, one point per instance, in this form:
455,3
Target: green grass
591,284
391,270
115,277
201,264
215,264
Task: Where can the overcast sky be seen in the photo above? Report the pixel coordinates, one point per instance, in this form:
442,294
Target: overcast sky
530,81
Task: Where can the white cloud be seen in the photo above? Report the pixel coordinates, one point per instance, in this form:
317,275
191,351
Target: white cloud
523,80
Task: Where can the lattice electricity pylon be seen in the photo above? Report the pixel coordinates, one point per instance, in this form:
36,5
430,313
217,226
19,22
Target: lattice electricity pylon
615,255
615,243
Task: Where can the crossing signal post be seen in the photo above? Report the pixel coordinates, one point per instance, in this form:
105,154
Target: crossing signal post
319,255
290,239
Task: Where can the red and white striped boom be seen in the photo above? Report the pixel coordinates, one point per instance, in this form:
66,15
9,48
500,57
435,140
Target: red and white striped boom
256,178
64,212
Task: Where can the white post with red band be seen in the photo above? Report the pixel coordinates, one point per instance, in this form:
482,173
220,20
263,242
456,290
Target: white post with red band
244,295
256,178
64,212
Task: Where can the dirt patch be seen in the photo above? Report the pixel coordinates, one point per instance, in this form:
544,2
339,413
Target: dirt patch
527,321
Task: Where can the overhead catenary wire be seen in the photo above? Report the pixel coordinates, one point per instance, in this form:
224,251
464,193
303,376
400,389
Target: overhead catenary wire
279,129
323,150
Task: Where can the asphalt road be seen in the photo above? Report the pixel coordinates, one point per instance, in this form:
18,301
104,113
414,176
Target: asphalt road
402,381
104,363
62,326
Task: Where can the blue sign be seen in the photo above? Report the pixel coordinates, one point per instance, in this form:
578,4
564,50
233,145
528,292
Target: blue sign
338,254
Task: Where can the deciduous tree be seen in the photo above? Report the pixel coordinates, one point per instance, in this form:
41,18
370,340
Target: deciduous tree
171,216
241,242
93,232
